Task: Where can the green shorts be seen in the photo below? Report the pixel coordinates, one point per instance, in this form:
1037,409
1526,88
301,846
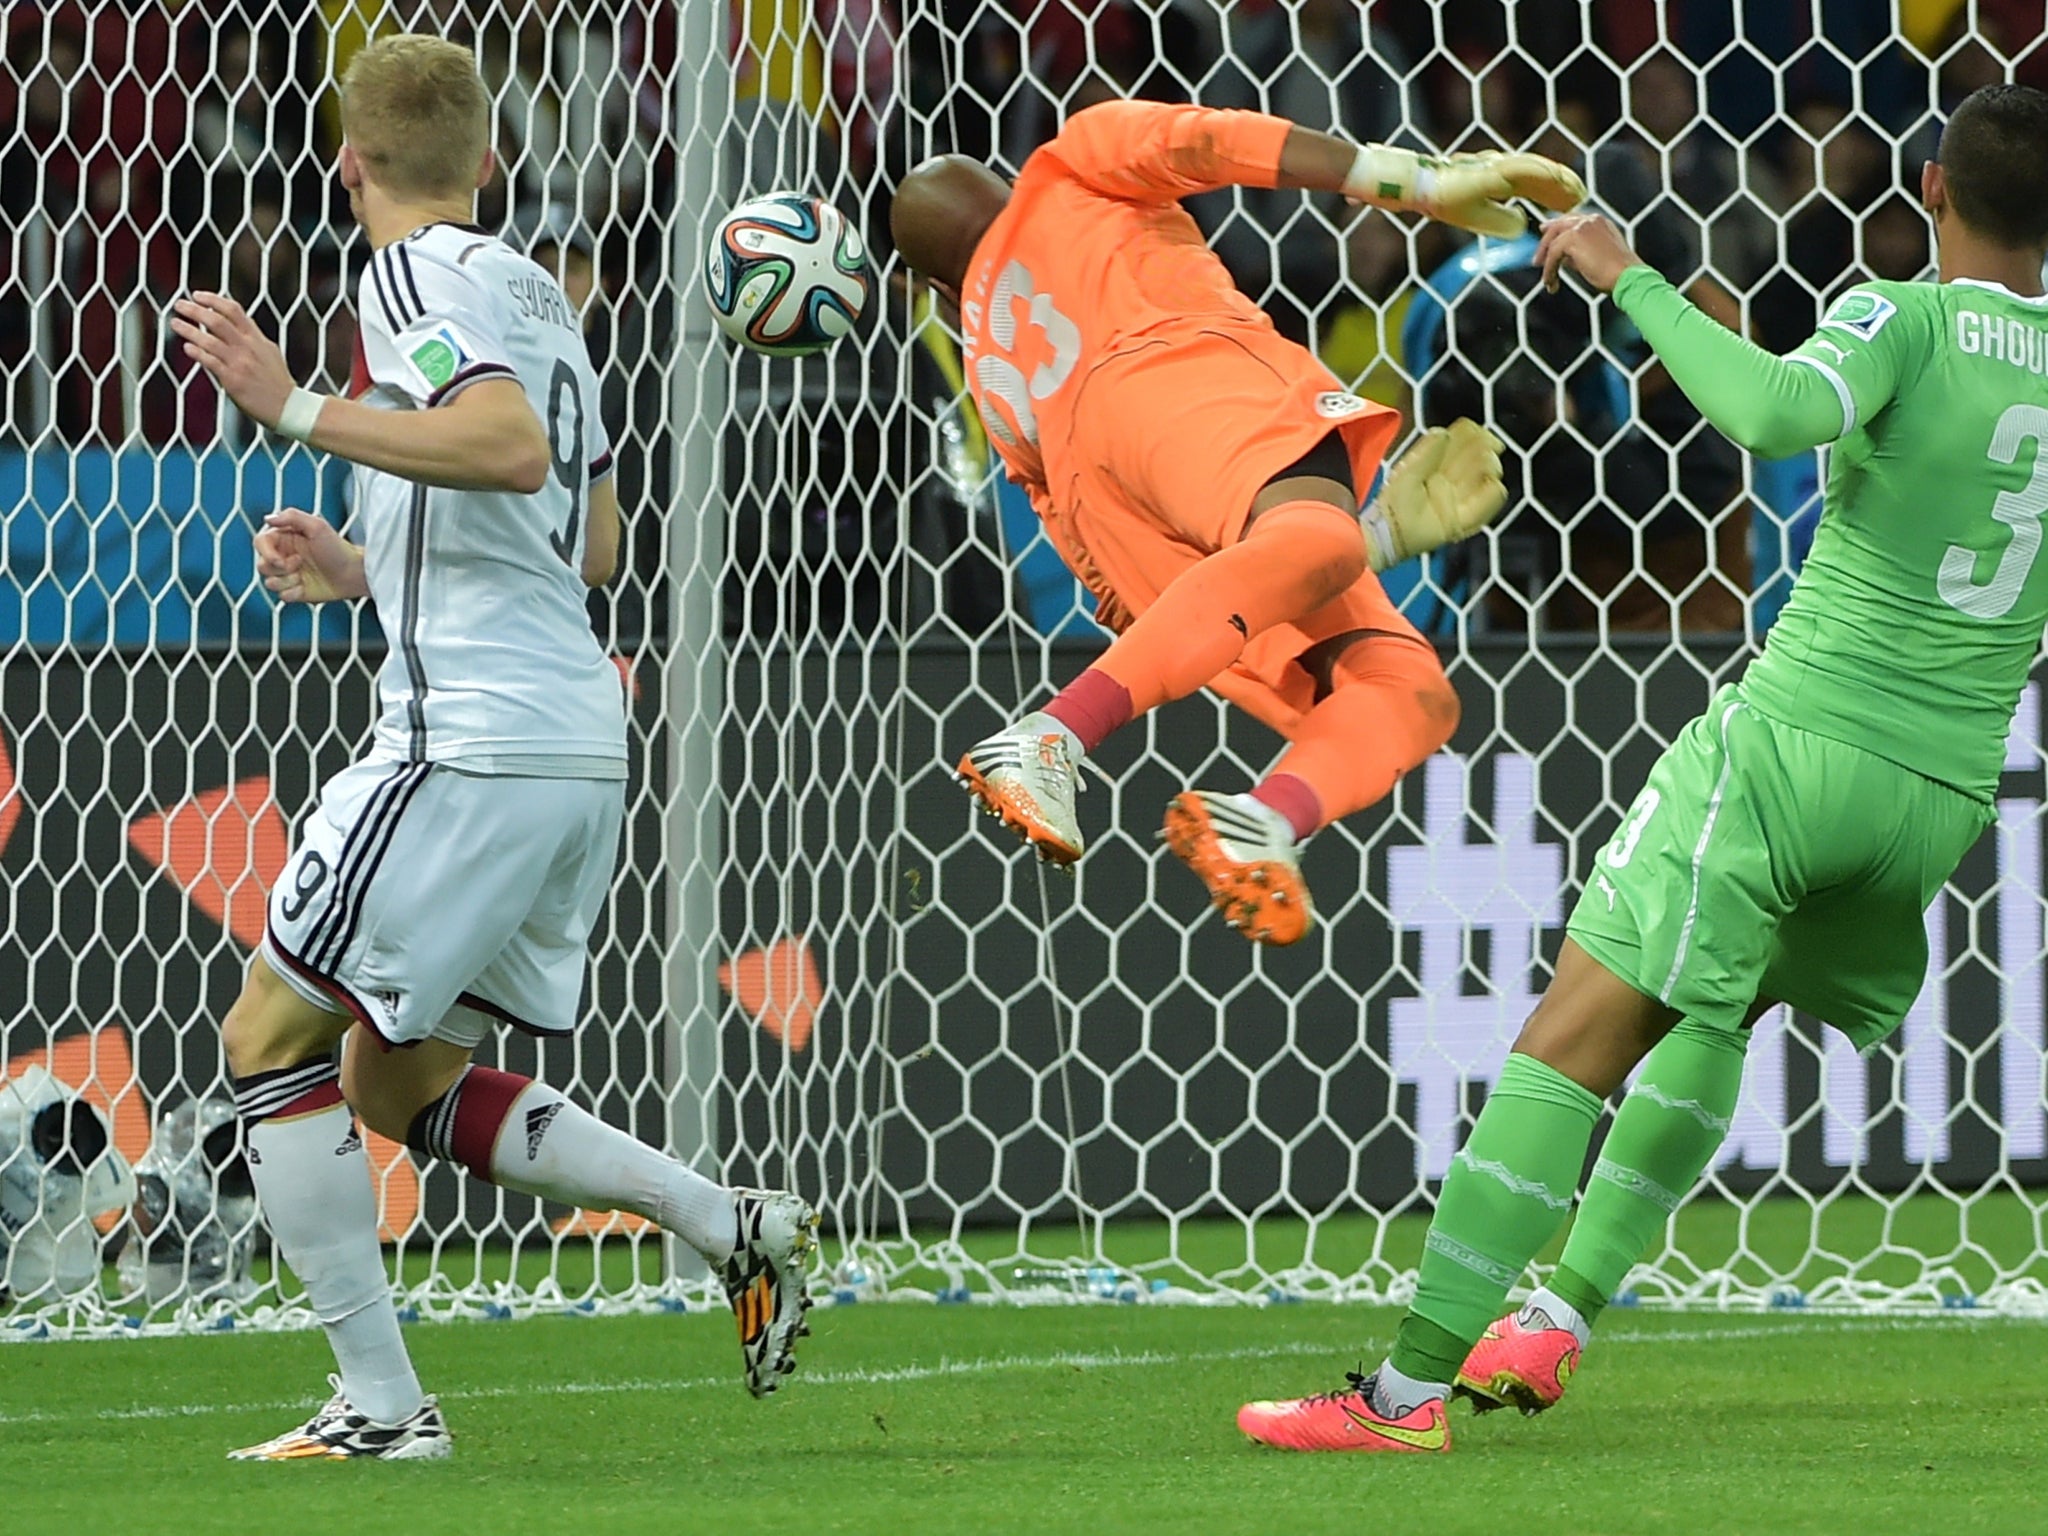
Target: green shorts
1762,861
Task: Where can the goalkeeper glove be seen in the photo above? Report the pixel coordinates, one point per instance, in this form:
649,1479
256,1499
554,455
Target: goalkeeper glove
1470,191
1446,487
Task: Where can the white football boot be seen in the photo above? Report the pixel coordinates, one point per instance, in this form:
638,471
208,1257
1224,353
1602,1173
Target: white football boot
338,1432
1026,777
1244,852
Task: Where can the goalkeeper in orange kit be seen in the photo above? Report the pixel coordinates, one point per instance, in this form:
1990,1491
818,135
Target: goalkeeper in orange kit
1201,475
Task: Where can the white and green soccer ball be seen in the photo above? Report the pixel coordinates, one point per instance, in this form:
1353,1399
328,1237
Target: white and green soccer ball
787,275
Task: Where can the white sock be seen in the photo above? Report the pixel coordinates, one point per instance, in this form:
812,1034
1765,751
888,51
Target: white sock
1039,723
313,1184
1395,1395
1553,1310
524,1135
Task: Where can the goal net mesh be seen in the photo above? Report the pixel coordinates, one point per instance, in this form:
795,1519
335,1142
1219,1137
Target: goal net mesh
818,970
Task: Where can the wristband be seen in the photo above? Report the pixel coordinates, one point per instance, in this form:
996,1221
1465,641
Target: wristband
1388,176
301,411
1369,180
1383,550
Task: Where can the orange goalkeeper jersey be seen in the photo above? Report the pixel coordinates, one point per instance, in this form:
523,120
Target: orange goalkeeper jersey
1093,263
1093,252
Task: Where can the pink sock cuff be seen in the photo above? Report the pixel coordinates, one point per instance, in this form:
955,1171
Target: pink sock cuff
1293,798
1091,706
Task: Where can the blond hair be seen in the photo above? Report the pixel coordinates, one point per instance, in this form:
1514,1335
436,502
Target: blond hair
415,111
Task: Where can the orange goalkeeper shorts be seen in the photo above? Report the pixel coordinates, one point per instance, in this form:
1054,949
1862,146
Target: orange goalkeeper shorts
1173,439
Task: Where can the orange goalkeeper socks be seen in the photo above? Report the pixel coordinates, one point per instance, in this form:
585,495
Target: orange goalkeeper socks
1293,559
1391,707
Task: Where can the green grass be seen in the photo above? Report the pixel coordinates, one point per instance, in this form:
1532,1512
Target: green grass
911,1419
1767,1242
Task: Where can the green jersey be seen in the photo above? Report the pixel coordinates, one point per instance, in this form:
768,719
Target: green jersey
1912,627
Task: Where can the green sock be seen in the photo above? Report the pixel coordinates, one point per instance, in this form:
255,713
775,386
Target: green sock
1505,1195
1669,1127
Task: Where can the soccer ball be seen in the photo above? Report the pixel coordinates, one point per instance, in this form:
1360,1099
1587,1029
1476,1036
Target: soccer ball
787,275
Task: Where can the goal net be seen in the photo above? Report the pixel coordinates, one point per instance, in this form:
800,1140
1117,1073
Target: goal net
818,970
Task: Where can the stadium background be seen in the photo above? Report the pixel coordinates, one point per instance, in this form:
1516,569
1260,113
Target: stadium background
816,971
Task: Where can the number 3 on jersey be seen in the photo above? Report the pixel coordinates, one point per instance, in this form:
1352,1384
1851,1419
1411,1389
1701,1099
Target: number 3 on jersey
2019,510
1051,343
1630,832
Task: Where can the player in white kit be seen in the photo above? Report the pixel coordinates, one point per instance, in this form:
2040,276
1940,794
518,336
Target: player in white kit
450,880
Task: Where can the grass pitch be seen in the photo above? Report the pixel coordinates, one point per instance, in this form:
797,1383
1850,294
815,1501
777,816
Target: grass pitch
911,1419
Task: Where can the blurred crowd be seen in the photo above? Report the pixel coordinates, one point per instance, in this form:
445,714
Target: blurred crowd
147,148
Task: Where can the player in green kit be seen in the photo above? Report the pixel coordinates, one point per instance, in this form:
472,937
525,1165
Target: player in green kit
1788,844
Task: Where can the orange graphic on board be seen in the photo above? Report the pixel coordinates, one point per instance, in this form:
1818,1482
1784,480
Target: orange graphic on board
600,1224
10,796
224,848
397,1183
778,986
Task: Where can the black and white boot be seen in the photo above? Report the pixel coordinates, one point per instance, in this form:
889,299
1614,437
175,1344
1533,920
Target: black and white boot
339,1433
765,1282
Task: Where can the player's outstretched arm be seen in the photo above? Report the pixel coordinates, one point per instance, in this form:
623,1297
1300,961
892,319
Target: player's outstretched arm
304,559
1771,406
1149,151
486,438
1469,191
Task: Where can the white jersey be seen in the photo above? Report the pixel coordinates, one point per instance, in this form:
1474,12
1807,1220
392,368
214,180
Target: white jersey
493,666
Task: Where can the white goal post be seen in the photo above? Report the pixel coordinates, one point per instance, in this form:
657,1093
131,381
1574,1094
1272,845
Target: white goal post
818,969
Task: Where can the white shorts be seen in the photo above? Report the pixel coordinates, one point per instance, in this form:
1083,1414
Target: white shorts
427,902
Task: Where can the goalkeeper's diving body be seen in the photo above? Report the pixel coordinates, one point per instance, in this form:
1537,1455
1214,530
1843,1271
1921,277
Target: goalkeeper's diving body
1201,475
1787,846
